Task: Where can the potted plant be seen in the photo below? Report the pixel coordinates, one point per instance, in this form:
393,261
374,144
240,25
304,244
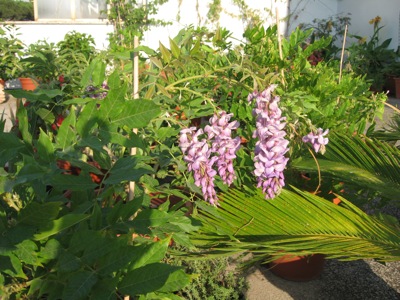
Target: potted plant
11,49
370,57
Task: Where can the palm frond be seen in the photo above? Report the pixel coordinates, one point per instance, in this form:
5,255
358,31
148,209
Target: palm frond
297,223
391,132
367,163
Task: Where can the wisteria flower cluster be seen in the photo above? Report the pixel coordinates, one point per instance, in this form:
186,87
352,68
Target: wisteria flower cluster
271,146
317,140
218,148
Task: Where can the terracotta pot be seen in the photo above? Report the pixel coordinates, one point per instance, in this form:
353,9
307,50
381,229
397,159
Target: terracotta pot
298,268
28,84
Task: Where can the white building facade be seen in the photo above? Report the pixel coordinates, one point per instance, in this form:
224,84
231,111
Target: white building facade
55,18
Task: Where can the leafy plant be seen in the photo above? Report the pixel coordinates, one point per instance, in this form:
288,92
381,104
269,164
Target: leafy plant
69,227
333,28
216,278
11,10
370,58
10,53
130,19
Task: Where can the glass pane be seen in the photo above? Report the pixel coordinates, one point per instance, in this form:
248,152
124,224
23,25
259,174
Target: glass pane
90,9
61,9
54,9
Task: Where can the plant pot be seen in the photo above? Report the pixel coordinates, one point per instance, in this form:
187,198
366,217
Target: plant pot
298,268
28,84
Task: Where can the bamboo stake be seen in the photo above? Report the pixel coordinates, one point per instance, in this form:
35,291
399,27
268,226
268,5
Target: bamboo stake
135,75
342,54
135,94
280,43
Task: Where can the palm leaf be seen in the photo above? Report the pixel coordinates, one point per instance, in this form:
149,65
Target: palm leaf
361,161
391,132
297,223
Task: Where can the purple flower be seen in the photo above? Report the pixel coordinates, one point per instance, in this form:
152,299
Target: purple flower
198,157
269,159
317,140
201,158
219,132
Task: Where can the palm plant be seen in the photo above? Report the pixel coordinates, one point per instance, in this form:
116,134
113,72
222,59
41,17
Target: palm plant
302,223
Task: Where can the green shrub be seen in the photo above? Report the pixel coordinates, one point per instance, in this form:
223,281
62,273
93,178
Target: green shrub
213,279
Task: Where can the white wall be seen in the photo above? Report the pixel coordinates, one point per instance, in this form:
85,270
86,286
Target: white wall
364,10
305,11
31,32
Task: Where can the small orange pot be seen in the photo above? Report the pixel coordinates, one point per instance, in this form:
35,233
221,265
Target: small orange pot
28,84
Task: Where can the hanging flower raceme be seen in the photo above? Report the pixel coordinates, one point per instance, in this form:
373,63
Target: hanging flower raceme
271,147
317,140
201,158
220,133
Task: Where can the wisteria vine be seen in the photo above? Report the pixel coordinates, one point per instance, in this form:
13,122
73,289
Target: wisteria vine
214,147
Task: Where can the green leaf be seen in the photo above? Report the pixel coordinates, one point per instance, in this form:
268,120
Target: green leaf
113,105
150,218
93,245
87,119
11,145
114,82
45,147
67,262
66,135
87,75
153,277
119,258
72,182
156,62
136,113
151,253
79,285
165,53
51,250
12,266
128,168
96,218
104,289
46,115
27,253
23,125
176,52
39,214
123,210
166,132
98,73
59,225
